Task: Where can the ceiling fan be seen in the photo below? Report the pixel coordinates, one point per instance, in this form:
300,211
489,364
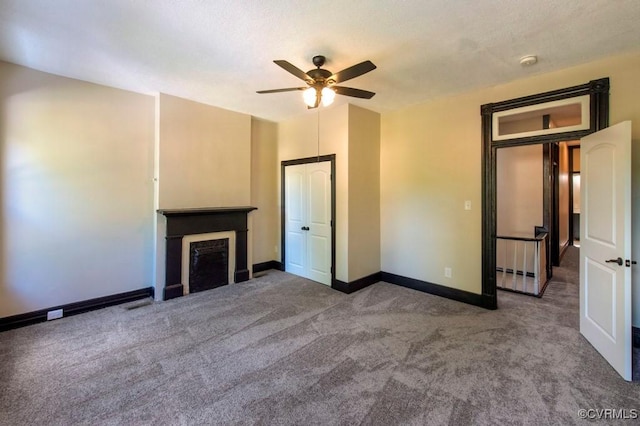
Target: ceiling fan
321,82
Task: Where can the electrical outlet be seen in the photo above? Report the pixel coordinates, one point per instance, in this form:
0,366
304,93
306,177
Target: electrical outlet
447,272
467,205
51,315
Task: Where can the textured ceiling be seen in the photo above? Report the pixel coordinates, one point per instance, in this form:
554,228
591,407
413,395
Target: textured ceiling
221,51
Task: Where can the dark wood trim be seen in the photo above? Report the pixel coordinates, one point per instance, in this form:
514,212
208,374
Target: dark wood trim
480,300
635,334
241,275
265,266
598,90
547,203
552,203
173,291
358,284
21,320
205,211
316,159
489,226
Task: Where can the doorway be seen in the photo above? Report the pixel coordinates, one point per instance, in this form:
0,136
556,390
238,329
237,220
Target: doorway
308,218
522,240
592,100
533,213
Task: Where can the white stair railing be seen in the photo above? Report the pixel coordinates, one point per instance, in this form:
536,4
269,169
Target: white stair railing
521,263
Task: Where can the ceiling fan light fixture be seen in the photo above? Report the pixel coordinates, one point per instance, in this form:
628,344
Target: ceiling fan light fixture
310,96
320,82
327,96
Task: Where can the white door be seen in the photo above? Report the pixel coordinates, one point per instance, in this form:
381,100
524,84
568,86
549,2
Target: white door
295,220
308,221
605,247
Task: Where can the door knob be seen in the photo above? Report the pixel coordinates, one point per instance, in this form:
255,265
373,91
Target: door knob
305,228
618,261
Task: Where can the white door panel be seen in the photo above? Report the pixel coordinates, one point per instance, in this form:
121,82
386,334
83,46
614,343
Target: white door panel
605,285
295,200
294,220
600,291
318,190
601,224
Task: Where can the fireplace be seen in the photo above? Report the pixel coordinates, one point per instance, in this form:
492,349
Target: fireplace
204,248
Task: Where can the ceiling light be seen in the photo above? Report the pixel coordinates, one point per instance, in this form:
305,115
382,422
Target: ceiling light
528,60
311,97
327,96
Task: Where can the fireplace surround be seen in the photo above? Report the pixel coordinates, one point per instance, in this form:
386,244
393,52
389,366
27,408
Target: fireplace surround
193,222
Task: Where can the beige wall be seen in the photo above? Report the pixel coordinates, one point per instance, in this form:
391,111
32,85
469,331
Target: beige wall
77,197
202,159
431,162
204,155
429,167
264,190
353,135
364,192
302,137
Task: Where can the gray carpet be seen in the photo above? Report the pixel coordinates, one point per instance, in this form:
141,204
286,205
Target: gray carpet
282,350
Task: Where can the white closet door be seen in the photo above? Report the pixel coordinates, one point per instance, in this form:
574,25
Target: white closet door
295,219
308,221
319,222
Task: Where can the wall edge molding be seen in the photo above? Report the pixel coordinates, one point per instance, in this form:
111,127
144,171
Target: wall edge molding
69,309
467,297
356,285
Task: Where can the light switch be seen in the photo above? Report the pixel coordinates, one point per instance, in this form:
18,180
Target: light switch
467,205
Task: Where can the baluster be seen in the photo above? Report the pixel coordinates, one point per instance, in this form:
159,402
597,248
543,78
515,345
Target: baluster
514,267
536,269
524,266
504,263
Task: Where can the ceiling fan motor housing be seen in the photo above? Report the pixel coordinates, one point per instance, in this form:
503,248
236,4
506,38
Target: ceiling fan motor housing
319,75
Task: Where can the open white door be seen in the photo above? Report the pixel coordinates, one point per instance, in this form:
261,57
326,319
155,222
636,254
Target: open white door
605,247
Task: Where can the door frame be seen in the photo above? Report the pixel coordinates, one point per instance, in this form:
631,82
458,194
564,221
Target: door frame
572,173
598,91
283,198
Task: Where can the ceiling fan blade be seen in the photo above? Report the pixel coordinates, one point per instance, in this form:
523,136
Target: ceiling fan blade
350,91
287,66
290,89
353,72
